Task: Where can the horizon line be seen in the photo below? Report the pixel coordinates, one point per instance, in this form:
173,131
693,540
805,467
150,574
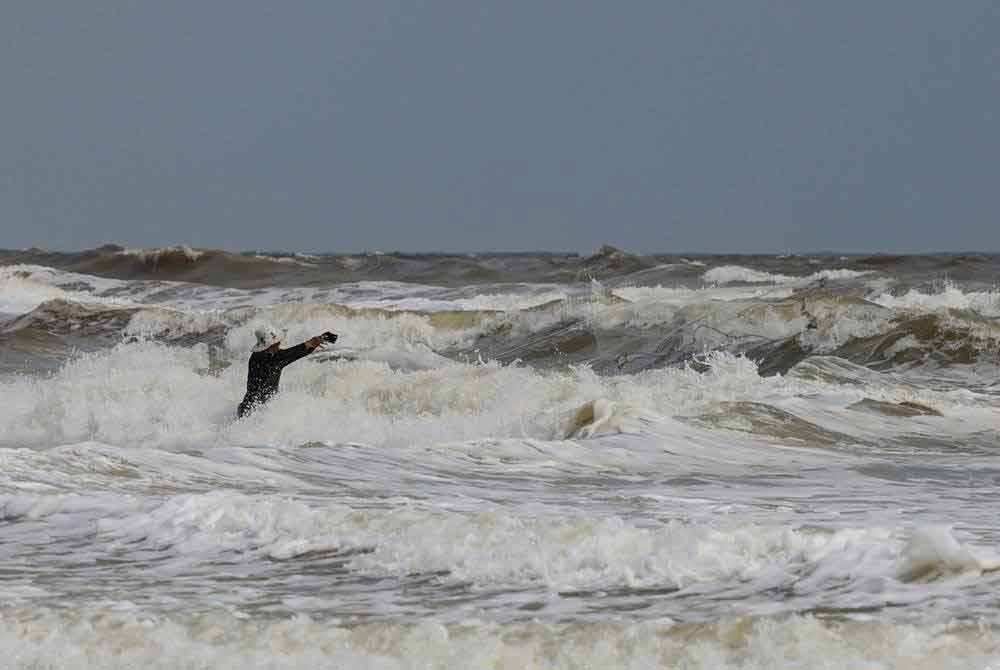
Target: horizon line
606,248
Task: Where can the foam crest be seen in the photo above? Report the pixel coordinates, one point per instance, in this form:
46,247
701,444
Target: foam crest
153,322
724,317
685,296
566,553
48,283
483,548
446,300
950,297
163,253
585,553
838,275
302,260
28,286
933,551
16,507
838,322
21,295
207,524
25,287
729,274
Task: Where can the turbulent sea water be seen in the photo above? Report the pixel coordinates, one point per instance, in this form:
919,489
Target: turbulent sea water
506,461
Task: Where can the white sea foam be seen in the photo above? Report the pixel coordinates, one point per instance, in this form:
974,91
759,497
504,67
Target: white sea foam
505,547
132,394
302,260
730,274
718,317
176,309
684,296
985,303
932,551
838,275
448,301
165,322
25,287
20,296
116,638
838,324
145,393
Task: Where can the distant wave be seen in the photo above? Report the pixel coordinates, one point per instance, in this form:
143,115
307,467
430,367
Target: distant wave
262,268
734,274
985,303
613,331
165,255
731,274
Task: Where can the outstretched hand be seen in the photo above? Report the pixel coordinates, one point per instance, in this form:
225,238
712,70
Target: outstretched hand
318,341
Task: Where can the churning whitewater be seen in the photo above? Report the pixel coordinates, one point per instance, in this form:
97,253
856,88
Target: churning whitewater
506,461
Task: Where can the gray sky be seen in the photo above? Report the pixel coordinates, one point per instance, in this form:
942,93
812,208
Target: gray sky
659,125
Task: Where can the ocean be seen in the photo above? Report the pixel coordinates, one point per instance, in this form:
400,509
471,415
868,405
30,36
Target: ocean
506,461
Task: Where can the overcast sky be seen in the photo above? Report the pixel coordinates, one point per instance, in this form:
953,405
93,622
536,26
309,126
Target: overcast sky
658,125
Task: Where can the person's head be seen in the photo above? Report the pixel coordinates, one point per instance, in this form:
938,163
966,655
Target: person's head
268,339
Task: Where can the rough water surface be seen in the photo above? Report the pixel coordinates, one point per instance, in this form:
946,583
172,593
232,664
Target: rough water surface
506,461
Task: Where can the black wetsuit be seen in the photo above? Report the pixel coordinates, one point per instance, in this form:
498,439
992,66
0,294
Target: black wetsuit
264,375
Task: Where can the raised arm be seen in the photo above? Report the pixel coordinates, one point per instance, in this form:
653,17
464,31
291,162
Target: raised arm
286,356
292,354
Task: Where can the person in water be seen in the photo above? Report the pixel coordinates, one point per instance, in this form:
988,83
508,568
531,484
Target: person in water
266,363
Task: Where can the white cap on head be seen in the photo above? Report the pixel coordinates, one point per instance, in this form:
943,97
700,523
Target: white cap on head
266,338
